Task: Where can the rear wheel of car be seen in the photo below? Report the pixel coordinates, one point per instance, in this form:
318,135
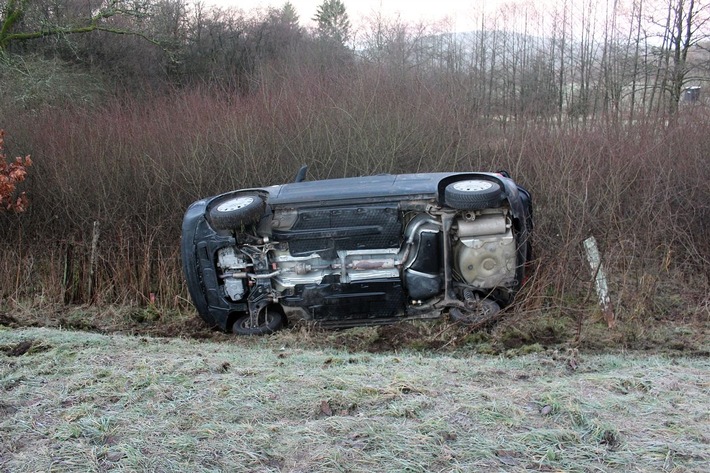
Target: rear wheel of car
235,211
472,194
477,315
268,321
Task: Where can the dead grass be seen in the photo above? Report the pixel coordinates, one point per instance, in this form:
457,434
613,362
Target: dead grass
78,401
518,332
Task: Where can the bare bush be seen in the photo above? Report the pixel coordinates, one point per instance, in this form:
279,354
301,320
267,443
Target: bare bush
641,189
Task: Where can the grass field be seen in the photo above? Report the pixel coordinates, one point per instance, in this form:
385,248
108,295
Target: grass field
76,401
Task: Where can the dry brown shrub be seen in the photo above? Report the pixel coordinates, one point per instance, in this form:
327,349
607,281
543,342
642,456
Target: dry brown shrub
11,174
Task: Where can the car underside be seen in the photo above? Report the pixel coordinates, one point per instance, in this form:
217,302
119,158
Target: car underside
358,251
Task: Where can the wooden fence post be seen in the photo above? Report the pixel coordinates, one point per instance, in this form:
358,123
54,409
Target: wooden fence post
600,281
92,261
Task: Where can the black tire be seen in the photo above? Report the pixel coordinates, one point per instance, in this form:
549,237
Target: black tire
235,211
482,313
472,194
269,321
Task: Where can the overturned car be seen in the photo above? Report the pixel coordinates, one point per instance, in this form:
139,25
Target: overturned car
358,251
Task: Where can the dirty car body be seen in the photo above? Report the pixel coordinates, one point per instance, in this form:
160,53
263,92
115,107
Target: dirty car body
358,251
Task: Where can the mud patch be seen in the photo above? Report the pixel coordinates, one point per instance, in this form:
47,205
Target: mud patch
25,347
8,321
398,336
543,331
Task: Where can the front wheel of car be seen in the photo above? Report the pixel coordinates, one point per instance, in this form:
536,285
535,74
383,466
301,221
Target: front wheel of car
268,321
236,211
472,194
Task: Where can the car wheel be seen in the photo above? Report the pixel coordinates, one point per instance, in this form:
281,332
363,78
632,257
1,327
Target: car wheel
472,194
268,321
481,313
235,211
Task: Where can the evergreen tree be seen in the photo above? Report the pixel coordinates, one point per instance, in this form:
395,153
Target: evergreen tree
333,21
289,14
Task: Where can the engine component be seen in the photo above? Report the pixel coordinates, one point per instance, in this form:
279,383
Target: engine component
234,288
474,226
233,264
229,258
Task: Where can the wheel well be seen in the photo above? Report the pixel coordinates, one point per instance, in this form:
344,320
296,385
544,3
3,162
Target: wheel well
441,188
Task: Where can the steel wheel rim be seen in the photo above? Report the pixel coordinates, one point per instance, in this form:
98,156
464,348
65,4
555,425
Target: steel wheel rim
472,185
235,204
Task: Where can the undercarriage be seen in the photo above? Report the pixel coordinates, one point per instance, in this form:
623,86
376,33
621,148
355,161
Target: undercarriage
372,264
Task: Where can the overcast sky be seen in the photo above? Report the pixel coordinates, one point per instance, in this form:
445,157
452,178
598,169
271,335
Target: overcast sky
460,13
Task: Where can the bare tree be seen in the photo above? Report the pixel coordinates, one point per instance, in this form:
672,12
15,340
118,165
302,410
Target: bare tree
24,20
690,20
685,25
636,22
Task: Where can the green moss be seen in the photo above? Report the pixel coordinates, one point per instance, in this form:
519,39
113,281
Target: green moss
525,350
